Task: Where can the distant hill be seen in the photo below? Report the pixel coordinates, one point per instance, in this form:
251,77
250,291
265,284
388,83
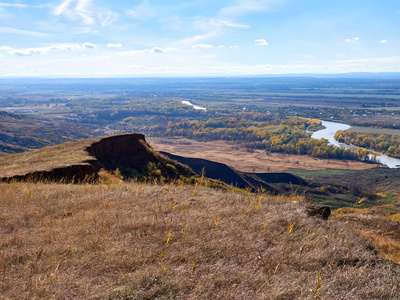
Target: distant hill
22,132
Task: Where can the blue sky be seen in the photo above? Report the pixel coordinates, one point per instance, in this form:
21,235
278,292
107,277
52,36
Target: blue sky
94,38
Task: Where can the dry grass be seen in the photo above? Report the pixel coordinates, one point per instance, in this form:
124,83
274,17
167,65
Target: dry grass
71,153
381,224
137,241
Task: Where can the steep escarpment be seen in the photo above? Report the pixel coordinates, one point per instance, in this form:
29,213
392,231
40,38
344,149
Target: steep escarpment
134,157
229,175
83,159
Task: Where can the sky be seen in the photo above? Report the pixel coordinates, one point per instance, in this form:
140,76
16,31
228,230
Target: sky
104,38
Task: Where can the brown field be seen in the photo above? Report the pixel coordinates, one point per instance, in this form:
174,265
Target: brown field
359,129
245,161
137,241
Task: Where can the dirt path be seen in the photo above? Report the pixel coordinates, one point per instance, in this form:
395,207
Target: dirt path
243,160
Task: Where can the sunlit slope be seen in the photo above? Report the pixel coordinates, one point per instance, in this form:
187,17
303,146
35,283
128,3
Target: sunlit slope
142,241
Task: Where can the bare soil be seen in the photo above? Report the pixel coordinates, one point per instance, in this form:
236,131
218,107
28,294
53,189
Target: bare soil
255,161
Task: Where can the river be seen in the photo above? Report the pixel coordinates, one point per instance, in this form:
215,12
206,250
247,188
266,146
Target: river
194,106
329,134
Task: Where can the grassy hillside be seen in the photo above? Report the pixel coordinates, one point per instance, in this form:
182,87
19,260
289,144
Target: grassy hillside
77,161
47,158
138,241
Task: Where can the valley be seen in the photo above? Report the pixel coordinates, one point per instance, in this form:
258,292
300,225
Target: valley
94,168
246,160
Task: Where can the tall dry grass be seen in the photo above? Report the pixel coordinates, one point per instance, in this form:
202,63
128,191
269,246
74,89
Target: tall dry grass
66,154
137,241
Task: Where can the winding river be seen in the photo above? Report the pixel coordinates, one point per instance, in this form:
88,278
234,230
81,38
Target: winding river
329,134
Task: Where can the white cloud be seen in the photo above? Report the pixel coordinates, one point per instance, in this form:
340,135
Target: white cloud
352,40
178,64
89,46
15,5
107,17
142,11
114,45
210,28
392,59
242,7
22,32
261,42
208,46
45,50
86,12
229,24
75,9
383,41
152,50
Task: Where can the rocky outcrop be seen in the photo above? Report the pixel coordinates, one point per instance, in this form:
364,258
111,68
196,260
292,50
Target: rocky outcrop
320,211
125,150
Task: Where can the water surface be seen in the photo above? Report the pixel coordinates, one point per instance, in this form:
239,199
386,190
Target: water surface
329,134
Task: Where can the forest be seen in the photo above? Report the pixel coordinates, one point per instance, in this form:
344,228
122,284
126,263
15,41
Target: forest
273,114
384,143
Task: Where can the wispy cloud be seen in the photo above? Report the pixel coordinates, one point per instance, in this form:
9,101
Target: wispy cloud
243,7
357,61
86,12
89,46
209,28
261,42
114,45
356,39
75,9
202,46
23,32
154,50
16,5
142,11
45,50
230,24
383,41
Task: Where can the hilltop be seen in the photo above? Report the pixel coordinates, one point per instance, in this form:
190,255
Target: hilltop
82,160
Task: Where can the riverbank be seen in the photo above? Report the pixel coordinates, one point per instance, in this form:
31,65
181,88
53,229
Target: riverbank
329,133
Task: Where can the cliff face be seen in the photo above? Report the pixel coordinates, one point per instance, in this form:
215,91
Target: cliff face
74,173
129,150
130,153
